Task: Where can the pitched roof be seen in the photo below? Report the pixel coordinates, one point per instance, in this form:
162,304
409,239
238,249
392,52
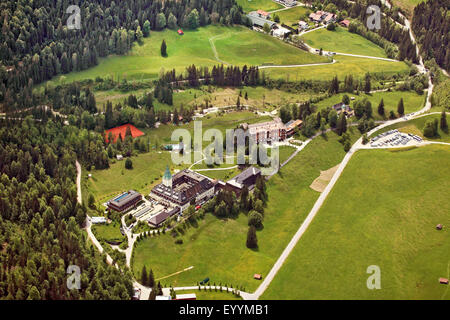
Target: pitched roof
257,20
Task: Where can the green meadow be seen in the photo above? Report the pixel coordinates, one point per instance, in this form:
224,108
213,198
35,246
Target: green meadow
253,5
344,65
223,241
342,41
383,211
292,16
235,45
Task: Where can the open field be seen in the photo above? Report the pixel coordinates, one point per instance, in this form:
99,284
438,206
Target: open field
108,232
256,48
292,16
238,44
387,219
344,65
290,199
343,41
253,5
412,101
416,126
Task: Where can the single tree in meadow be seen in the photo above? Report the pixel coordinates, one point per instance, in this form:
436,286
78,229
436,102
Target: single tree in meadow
401,107
164,48
252,241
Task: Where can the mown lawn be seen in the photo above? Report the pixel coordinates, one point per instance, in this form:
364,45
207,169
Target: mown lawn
344,65
411,100
383,211
108,232
216,248
342,41
147,171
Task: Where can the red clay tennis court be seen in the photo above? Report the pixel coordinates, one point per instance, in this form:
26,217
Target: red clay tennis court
135,132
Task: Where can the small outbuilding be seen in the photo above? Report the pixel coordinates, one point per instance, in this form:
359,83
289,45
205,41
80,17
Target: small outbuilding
439,227
257,276
187,296
443,280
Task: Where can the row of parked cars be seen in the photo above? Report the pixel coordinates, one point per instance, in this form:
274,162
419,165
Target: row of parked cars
398,139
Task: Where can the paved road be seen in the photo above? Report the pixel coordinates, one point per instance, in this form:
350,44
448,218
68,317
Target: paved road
79,195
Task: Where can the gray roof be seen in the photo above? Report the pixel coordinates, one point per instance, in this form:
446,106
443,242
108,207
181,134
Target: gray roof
247,173
258,21
125,198
156,220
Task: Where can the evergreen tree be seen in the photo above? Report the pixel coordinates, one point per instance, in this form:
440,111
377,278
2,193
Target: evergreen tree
163,48
443,123
151,279
144,278
401,107
146,29
252,241
381,108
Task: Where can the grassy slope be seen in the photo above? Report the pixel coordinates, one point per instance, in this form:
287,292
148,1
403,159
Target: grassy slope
293,15
253,5
386,219
412,101
256,48
342,41
145,61
290,199
358,67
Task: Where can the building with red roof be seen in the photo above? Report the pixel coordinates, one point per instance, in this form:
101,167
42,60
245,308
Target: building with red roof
135,132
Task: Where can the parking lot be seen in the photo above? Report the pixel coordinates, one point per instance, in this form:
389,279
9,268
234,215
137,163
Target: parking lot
394,138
